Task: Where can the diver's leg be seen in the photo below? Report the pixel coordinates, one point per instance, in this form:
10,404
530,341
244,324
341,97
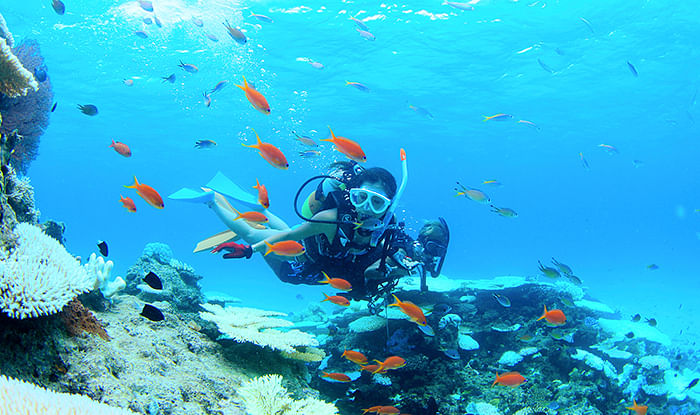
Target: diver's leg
250,235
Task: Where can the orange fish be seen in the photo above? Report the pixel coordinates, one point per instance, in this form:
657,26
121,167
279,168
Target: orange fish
285,248
388,410
411,310
337,283
337,299
355,357
272,154
340,377
509,379
391,362
262,194
347,147
555,316
255,97
640,410
251,216
121,148
372,409
128,203
372,368
148,194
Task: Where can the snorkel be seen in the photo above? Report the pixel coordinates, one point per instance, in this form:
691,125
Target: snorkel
380,227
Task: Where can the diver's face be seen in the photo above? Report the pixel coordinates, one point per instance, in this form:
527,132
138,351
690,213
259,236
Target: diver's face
370,200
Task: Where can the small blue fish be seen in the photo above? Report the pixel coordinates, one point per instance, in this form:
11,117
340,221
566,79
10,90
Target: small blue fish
451,353
157,20
211,37
502,300
188,67
365,34
219,86
197,22
584,162
544,66
170,79
204,144
632,69
148,20
357,85
207,99
309,153
88,109
53,108
422,111
261,17
359,23
141,34
58,7
588,24
459,6
497,117
147,5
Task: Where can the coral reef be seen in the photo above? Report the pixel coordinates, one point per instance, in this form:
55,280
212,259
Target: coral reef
39,277
24,107
18,397
180,282
243,324
265,395
590,365
79,319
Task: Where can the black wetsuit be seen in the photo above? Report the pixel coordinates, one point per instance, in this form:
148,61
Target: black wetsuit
339,258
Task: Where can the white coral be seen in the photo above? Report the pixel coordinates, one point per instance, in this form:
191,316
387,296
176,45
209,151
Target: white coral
15,80
39,276
19,397
244,324
99,270
265,395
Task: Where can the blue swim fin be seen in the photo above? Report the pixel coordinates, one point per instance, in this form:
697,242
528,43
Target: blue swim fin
194,196
226,187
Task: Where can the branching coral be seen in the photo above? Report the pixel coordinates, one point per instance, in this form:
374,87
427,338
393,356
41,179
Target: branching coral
78,319
39,277
28,114
18,397
265,395
257,326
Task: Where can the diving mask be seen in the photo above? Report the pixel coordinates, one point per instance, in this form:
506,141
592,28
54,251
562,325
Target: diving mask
363,198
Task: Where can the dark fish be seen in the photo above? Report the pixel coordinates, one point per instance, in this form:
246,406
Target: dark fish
152,313
40,73
636,318
235,34
58,7
442,309
88,109
652,267
141,34
502,300
146,5
692,383
565,269
544,66
452,353
629,335
170,78
652,322
632,69
204,144
153,281
102,246
53,108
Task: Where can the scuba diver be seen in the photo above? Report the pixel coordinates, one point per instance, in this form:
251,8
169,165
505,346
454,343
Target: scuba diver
349,231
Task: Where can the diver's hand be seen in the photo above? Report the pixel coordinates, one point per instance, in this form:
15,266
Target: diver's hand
234,250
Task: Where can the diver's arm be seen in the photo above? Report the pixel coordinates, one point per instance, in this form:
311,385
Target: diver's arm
303,231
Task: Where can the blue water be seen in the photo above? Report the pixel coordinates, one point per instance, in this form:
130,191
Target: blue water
608,223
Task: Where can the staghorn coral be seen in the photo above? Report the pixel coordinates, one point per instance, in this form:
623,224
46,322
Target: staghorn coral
28,114
78,319
19,397
39,276
251,325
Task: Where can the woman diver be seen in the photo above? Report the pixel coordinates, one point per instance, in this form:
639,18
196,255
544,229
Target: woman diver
347,231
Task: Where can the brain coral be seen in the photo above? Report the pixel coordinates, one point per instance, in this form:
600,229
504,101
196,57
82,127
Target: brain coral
18,397
39,276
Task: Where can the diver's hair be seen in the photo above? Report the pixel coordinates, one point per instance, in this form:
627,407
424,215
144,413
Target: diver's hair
376,175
